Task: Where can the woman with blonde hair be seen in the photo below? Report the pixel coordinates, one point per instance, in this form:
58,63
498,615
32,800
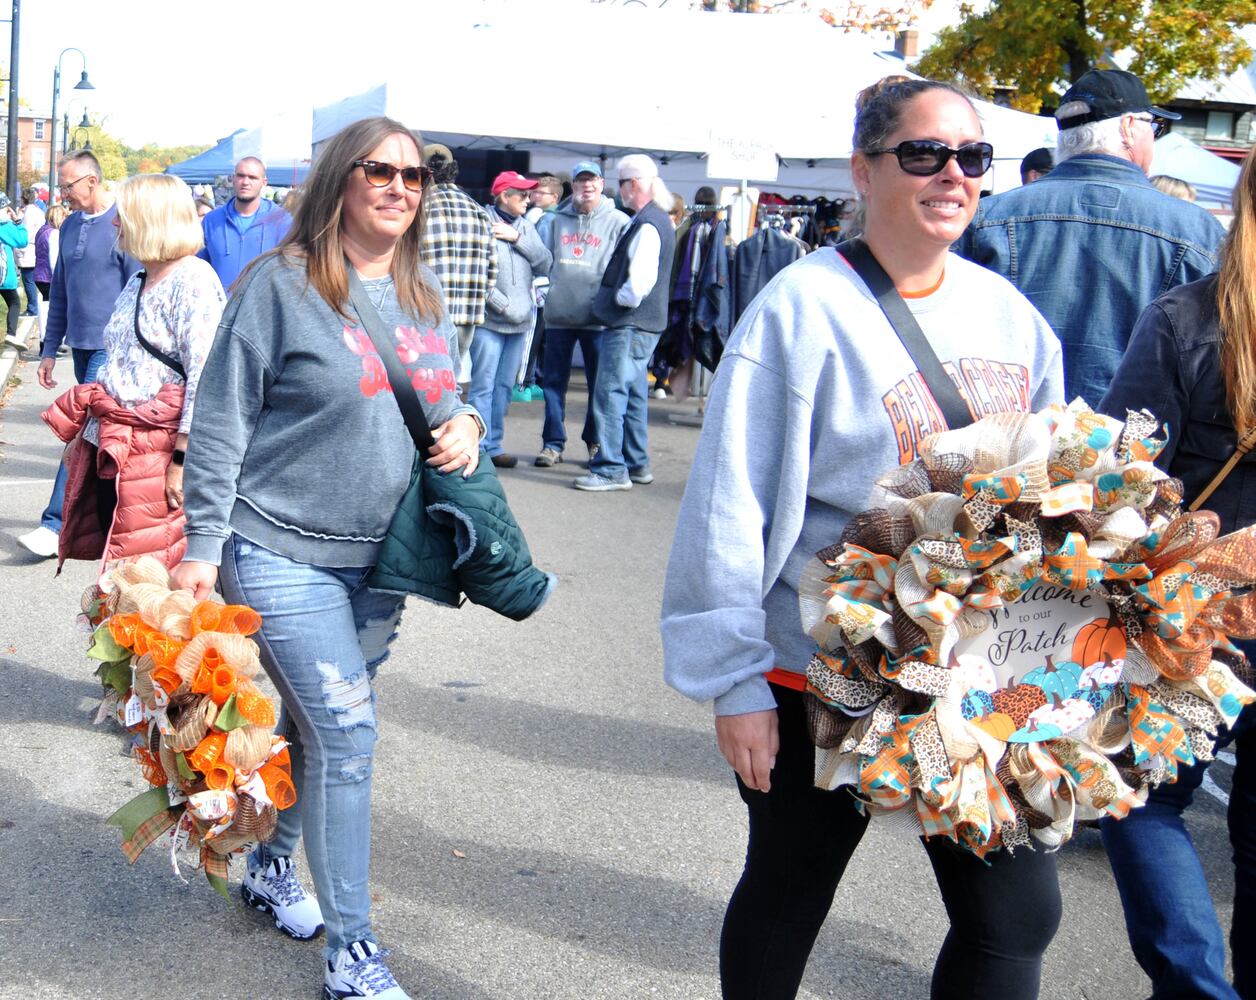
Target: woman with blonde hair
46,245
1192,361
124,494
300,458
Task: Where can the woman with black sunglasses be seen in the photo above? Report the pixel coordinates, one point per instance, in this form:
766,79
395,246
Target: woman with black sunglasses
816,397
298,459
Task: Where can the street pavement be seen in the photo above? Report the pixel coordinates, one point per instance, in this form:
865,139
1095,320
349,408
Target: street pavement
550,820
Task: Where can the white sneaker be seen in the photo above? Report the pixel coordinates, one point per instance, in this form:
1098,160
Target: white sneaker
659,393
16,342
42,541
359,971
274,889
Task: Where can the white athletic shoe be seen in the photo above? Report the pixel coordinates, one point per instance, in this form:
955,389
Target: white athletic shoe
42,541
359,971
274,889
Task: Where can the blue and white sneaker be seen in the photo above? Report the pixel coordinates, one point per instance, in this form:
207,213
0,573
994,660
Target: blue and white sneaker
274,889
359,971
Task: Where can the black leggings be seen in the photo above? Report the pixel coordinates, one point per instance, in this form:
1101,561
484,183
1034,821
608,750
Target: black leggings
14,307
801,839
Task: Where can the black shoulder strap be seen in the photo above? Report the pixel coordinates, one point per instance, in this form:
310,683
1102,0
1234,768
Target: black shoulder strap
171,363
945,394
403,391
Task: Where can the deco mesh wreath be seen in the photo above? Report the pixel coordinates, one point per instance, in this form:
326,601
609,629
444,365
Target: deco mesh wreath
178,675
1026,630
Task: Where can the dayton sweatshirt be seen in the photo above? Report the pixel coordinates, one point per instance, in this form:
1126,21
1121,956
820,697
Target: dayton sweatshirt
814,399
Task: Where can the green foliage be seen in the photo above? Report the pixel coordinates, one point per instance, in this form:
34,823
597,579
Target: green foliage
1040,46
153,159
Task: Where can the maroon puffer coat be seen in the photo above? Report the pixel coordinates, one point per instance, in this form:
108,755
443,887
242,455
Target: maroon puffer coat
135,448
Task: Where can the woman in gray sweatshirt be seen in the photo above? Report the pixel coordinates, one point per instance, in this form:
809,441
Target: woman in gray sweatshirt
814,399
298,458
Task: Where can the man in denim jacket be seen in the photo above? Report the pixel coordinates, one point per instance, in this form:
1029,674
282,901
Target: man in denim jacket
1093,243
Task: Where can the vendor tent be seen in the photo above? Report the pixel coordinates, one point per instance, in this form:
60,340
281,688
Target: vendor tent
282,142
1212,176
785,84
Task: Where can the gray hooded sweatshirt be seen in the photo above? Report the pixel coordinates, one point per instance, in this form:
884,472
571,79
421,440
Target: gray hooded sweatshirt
581,245
510,304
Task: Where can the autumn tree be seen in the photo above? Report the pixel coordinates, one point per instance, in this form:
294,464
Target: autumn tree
848,15
1038,47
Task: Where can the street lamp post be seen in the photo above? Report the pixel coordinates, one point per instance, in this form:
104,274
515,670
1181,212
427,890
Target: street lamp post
83,84
10,151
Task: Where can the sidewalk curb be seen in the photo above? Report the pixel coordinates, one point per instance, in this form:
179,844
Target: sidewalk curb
9,355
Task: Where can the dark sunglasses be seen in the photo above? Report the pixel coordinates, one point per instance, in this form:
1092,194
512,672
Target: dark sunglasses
925,157
381,174
1159,126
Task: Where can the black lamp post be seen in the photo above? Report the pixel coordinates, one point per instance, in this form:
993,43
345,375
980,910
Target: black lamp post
83,84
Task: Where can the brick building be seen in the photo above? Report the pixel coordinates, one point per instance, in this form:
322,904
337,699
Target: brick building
34,141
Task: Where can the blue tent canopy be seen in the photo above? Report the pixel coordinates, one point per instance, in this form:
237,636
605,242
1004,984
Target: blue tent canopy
220,161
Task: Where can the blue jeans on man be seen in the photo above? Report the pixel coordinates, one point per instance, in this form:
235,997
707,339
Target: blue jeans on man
86,364
495,361
1169,914
620,403
560,344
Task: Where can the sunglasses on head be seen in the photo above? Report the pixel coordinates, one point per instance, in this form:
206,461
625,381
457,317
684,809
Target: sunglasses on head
381,174
925,157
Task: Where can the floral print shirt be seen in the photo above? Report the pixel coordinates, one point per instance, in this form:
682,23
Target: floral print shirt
179,316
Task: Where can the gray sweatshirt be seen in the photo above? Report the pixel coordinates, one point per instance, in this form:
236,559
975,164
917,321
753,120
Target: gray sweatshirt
297,443
814,399
582,246
509,308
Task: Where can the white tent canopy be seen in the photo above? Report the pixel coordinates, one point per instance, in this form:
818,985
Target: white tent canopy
624,79
1212,176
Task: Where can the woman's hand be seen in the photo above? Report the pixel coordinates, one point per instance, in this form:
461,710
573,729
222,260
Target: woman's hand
457,445
750,743
174,486
197,577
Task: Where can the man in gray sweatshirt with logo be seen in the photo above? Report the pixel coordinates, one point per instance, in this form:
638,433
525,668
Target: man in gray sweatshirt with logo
585,230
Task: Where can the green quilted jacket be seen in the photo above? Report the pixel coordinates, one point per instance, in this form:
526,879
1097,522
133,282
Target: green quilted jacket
453,536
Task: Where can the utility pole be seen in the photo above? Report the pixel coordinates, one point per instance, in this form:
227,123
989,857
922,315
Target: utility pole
10,150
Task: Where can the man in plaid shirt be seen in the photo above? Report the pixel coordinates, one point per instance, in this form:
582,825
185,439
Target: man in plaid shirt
458,245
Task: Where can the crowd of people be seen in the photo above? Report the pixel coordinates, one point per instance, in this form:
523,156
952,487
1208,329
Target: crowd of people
223,365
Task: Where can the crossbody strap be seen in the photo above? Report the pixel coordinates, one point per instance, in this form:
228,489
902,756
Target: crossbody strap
945,394
403,392
1246,444
171,363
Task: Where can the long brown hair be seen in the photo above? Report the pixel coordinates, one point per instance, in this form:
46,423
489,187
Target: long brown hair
315,232
1236,302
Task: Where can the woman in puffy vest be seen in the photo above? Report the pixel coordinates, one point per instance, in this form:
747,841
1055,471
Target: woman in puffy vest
124,494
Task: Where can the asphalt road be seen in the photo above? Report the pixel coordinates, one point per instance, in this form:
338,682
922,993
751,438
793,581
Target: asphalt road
550,820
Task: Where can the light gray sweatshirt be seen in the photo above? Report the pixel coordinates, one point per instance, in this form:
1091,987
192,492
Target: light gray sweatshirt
814,399
510,305
297,443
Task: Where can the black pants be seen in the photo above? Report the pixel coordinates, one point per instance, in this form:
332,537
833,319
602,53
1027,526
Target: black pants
13,304
1003,914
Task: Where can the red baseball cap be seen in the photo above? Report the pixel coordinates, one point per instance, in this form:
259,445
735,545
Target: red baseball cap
509,179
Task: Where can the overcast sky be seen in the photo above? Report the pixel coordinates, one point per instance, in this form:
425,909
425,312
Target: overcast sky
174,73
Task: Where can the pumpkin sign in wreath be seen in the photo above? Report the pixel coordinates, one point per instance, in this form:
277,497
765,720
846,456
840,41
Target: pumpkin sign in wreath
1026,630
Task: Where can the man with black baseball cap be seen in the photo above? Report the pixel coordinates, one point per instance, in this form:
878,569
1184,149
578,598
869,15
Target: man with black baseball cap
1036,164
1092,242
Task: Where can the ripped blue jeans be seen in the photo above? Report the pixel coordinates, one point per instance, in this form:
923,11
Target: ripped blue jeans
323,636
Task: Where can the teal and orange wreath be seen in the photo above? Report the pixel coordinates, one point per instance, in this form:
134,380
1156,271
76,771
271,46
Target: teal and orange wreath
928,698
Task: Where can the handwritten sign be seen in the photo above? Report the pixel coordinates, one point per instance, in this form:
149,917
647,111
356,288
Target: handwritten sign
740,158
1046,621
